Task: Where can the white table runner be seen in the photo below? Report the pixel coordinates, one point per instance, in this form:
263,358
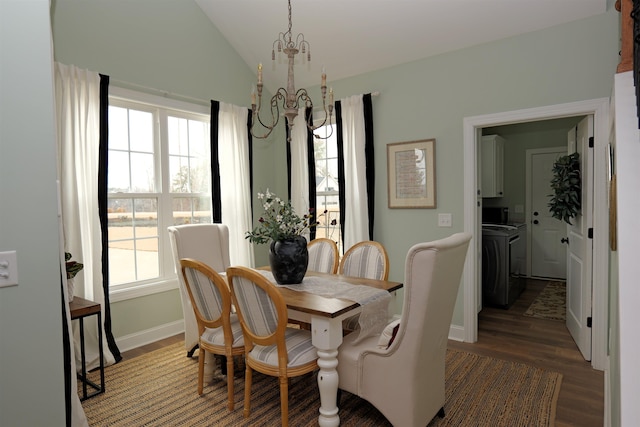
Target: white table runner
375,302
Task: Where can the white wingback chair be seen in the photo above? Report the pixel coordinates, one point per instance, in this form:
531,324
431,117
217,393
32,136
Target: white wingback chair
208,243
405,380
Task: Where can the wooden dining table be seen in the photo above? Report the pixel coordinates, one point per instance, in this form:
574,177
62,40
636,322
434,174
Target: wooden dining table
325,316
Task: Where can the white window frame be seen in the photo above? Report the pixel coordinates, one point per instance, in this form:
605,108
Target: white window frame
168,279
335,192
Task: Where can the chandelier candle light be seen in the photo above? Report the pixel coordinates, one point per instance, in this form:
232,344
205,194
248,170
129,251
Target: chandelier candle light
290,99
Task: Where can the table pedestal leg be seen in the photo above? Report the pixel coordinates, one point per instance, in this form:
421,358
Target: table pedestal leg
328,386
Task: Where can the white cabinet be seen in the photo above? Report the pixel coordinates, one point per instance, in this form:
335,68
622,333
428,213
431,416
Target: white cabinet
492,159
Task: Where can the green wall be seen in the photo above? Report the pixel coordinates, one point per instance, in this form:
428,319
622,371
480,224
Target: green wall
428,98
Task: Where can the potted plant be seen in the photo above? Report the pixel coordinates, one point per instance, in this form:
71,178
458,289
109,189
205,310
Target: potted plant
73,268
565,202
284,230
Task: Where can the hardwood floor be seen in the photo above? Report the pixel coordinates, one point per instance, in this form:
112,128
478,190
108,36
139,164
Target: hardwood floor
547,344
508,335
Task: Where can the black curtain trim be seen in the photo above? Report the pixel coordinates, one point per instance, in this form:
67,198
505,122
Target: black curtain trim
369,159
341,182
103,168
250,138
216,200
66,346
311,166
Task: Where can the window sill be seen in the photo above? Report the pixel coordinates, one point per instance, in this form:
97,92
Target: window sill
142,290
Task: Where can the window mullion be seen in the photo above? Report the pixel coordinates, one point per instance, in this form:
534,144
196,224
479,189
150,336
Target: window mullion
165,202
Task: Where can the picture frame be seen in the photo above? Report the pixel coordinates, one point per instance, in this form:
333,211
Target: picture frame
411,174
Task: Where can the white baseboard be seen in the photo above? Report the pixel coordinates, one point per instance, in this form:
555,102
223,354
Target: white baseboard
456,333
148,336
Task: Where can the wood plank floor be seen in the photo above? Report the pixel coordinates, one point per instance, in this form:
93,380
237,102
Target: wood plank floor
508,335
547,344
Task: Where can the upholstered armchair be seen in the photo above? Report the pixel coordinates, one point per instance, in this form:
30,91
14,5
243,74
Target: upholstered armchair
208,243
404,377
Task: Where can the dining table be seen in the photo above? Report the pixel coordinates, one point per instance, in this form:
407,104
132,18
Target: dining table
325,315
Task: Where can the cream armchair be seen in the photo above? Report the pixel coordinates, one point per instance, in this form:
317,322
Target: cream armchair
405,380
208,243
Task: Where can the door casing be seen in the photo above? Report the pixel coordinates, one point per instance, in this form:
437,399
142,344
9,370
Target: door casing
600,266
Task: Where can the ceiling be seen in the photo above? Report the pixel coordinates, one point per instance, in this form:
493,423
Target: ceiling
351,37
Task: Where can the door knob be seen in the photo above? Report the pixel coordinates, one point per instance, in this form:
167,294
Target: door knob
535,221
564,240
535,214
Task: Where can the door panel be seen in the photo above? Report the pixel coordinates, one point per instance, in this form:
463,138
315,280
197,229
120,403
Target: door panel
579,277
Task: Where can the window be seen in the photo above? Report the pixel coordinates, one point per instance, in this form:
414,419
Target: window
158,176
327,191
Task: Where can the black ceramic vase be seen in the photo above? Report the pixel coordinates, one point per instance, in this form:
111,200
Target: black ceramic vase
289,259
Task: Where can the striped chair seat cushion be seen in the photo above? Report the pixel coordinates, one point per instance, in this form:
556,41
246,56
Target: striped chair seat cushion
299,348
215,336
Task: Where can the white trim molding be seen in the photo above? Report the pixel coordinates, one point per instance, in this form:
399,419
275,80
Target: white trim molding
599,108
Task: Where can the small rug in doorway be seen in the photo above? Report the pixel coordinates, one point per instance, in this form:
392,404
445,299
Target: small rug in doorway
550,304
160,389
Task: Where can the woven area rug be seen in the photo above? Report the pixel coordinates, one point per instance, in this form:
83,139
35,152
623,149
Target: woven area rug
160,389
551,303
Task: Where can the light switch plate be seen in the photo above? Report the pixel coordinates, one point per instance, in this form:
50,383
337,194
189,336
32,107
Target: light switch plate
8,269
444,220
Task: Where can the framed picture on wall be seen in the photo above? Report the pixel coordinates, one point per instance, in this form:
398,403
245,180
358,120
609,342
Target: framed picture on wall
411,174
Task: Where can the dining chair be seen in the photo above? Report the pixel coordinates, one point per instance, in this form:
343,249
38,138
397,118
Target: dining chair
219,329
208,243
270,346
323,255
367,259
412,364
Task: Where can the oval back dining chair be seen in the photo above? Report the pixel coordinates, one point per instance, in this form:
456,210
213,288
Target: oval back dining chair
367,259
323,255
220,332
413,363
270,347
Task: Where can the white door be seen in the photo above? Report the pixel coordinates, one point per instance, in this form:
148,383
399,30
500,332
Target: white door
579,283
547,248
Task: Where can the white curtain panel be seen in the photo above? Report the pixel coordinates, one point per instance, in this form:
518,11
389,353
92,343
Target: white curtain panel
77,95
356,220
235,191
299,168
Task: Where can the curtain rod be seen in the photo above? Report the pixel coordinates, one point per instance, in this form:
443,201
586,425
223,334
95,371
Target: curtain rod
153,91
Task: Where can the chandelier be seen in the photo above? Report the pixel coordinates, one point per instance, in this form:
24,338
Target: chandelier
289,99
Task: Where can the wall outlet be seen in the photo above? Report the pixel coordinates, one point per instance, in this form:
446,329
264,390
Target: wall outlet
8,269
444,220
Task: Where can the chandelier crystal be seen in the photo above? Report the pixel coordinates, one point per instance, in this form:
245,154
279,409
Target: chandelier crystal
289,99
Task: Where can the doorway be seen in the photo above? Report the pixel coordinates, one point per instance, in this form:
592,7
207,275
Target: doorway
473,127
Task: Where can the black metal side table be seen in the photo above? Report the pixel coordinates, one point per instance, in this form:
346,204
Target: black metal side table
79,309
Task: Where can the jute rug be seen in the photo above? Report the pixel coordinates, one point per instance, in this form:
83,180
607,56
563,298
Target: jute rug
160,389
551,303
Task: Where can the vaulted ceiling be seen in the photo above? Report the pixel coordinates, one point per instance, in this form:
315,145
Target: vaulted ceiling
350,37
